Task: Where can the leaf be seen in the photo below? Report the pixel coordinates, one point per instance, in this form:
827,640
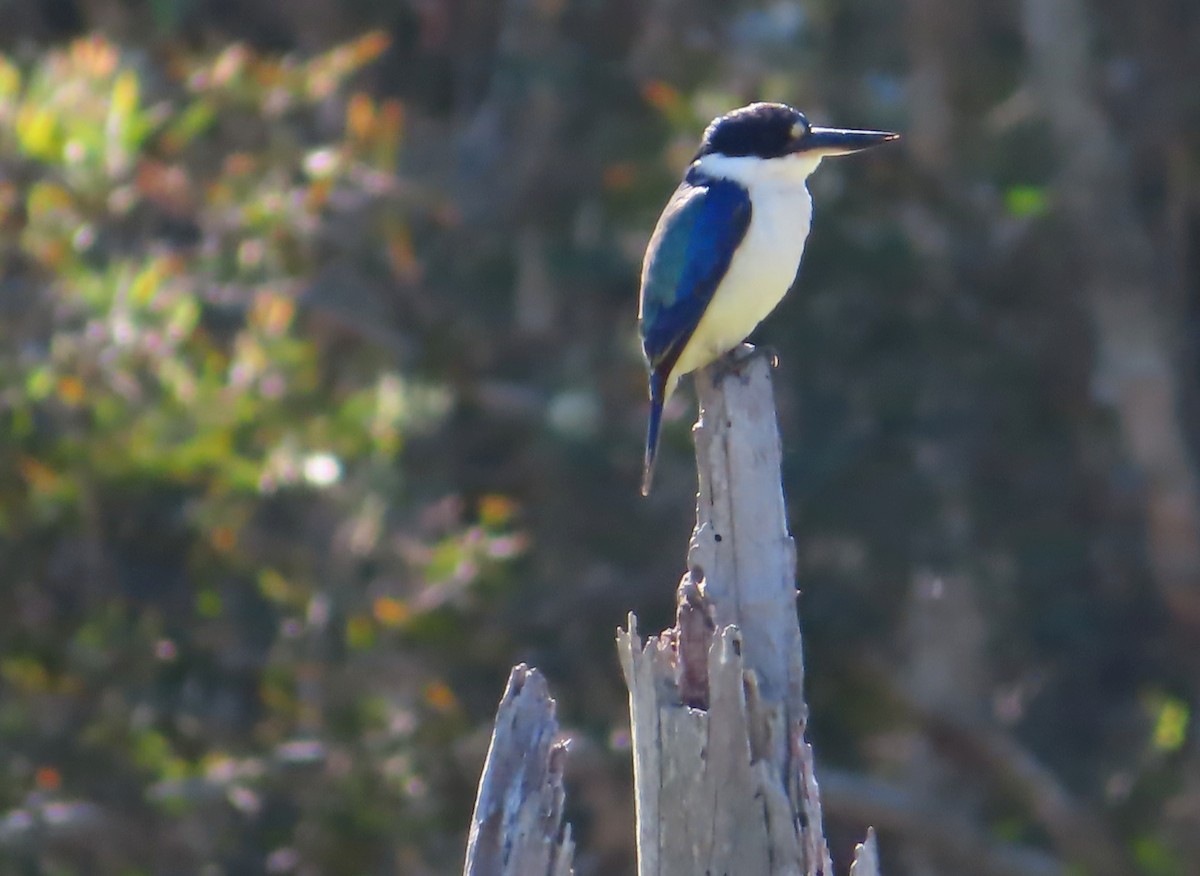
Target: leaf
38,133
146,284
1154,858
123,133
1026,201
124,101
1171,725
197,118
10,79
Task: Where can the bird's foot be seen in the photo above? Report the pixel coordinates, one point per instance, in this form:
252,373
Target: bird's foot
732,362
727,365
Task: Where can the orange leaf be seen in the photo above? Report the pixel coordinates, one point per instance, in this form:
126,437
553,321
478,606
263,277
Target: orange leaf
95,55
47,778
389,611
369,46
402,256
439,696
224,539
495,510
662,96
273,312
71,390
37,474
360,116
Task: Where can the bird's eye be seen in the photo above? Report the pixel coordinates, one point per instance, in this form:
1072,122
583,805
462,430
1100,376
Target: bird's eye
799,129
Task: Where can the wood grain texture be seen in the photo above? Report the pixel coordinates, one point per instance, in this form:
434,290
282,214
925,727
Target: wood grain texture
866,856
724,778
517,827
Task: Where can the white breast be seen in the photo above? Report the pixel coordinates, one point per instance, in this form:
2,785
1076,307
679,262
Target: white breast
764,266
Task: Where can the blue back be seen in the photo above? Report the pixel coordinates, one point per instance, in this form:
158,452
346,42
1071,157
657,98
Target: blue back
688,255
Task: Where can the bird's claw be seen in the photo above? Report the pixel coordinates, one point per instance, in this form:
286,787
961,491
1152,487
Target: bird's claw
729,364
732,362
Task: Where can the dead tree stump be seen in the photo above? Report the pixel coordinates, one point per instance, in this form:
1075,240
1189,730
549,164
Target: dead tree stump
723,776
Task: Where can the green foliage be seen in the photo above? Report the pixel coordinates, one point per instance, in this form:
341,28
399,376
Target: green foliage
1171,717
211,559
1023,201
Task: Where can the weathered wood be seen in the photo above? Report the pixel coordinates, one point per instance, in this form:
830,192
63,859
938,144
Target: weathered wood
517,827
866,856
724,779
741,554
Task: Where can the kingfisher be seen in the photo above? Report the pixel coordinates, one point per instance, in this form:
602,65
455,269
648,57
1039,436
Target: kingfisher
728,244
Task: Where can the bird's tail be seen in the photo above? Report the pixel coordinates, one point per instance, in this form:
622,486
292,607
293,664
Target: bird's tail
656,409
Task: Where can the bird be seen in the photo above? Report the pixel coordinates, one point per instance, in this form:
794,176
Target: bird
727,246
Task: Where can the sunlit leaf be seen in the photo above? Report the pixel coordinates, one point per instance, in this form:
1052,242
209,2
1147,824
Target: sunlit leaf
1155,858
95,55
47,778
39,133
46,199
25,673
146,283
71,390
440,697
369,46
360,633
390,612
209,604
275,587
182,317
496,510
230,64
39,383
273,312
1171,725
196,119
389,129
10,80
360,116
124,100
327,72
1026,201
662,96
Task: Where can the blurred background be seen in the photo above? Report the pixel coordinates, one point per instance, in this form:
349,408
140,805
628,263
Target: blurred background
321,405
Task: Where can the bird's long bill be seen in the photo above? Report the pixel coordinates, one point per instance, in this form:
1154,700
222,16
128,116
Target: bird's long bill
843,141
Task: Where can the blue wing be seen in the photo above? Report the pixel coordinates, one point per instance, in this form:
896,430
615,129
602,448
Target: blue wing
688,255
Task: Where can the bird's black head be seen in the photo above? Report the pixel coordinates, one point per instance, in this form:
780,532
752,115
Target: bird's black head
764,130
773,130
